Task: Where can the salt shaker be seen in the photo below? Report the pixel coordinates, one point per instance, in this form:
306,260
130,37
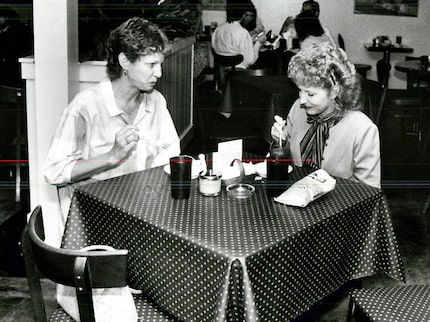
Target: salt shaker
210,183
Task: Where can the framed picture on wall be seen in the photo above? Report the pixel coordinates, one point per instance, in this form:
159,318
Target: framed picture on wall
213,4
387,7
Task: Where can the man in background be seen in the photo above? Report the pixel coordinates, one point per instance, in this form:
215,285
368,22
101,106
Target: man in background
233,38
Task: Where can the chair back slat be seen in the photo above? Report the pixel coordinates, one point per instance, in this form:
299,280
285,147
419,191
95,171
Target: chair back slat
108,267
103,269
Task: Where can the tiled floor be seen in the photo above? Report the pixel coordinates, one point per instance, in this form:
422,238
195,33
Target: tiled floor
406,177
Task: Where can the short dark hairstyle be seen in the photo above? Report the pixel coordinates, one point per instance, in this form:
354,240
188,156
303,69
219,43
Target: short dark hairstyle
307,24
135,37
235,9
311,6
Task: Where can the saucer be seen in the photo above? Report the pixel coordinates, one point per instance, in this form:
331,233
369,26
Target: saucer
240,190
195,170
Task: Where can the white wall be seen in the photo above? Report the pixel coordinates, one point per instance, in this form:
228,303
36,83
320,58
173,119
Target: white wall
356,29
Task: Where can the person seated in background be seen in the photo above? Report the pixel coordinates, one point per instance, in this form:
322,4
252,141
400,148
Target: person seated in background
314,8
15,42
288,32
120,125
232,38
258,29
325,127
309,30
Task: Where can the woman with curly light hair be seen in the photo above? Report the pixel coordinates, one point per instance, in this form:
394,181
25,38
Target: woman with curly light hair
325,127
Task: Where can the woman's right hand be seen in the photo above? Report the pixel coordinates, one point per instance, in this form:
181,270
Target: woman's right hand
125,141
279,130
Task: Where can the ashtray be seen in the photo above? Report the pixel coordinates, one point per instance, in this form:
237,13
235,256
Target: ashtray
240,190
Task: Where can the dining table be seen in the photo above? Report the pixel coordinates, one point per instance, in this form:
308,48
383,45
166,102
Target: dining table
224,259
255,100
408,66
384,65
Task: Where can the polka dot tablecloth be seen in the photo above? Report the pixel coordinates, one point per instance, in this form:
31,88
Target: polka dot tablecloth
410,303
217,259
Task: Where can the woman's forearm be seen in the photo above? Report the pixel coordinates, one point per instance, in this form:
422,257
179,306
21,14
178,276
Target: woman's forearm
84,169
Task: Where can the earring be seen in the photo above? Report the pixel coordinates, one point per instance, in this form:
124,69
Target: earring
125,72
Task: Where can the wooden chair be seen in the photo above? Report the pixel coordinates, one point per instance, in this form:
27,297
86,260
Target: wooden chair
14,98
221,63
416,79
412,104
374,97
83,270
396,303
360,68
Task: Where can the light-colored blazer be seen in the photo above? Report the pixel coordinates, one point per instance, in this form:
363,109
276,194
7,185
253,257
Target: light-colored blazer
352,150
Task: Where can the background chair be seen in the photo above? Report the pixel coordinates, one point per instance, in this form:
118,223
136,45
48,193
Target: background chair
13,99
221,63
82,270
360,68
411,105
214,128
374,97
396,303
416,79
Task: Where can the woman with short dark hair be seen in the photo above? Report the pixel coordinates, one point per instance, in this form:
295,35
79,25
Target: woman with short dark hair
121,125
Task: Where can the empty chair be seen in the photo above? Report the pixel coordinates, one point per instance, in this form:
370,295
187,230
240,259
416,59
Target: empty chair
14,98
416,79
374,97
360,68
396,303
411,104
82,270
221,63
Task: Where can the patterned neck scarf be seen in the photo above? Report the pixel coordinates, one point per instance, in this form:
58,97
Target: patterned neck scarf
313,143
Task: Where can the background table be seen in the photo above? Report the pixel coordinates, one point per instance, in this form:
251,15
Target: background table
257,99
383,65
216,259
411,66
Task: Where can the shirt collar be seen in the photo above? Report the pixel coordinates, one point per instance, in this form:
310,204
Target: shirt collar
113,109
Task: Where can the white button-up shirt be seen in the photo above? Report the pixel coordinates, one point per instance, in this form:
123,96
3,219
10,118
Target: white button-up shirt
88,127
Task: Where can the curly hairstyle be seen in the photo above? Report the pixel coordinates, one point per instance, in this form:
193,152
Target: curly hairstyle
325,66
135,37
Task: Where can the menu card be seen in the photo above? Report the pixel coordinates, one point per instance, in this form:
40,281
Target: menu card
227,152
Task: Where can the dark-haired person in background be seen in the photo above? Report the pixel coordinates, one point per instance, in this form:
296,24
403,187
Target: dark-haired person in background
309,30
15,42
121,125
314,8
232,38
